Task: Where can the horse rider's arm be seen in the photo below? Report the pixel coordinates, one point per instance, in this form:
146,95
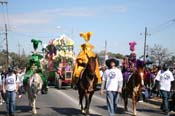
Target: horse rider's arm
81,62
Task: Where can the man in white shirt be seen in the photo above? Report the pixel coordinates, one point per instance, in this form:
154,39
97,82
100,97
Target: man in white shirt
112,83
10,87
165,78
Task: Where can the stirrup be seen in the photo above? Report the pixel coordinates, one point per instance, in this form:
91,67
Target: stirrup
44,90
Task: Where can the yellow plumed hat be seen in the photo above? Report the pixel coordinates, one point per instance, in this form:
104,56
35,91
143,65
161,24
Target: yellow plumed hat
86,36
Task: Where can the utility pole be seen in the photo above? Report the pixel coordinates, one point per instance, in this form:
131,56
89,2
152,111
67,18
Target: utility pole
144,55
147,50
105,52
23,52
6,37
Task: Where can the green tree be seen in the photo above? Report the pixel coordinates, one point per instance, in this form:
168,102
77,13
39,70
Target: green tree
14,59
3,60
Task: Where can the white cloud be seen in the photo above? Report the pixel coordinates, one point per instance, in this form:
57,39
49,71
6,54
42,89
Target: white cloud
46,16
111,9
29,18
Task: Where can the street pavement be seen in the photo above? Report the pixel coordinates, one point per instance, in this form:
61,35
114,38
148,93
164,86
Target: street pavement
65,103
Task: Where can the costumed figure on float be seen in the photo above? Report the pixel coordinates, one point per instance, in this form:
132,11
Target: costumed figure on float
50,55
82,59
34,66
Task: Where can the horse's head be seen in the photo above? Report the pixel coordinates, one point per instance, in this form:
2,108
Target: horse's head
35,83
89,77
91,65
140,69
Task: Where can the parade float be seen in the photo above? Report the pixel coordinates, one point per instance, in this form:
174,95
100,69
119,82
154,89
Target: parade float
59,57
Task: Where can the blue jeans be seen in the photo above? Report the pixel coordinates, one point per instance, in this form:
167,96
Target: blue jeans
11,102
112,99
165,96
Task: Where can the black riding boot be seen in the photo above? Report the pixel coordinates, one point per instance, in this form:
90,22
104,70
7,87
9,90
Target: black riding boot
75,84
25,88
44,89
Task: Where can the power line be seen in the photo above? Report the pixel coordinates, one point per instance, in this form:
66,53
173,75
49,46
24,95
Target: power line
162,26
3,11
156,29
7,14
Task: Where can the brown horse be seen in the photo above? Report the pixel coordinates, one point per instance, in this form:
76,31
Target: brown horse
132,87
87,84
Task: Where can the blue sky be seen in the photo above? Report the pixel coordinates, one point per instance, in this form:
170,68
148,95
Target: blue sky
117,21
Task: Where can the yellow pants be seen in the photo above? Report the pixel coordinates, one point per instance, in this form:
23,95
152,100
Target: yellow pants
78,71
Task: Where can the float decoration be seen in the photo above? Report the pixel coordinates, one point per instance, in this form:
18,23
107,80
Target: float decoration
60,50
64,46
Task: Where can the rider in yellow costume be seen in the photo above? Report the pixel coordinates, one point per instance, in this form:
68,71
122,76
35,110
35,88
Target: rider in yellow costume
82,59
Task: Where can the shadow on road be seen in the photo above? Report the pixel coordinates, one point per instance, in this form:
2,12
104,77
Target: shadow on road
119,110
23,108
154,111
150,111
3,112
70,111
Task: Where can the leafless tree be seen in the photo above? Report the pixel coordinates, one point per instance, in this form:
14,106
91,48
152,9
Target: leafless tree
159,54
